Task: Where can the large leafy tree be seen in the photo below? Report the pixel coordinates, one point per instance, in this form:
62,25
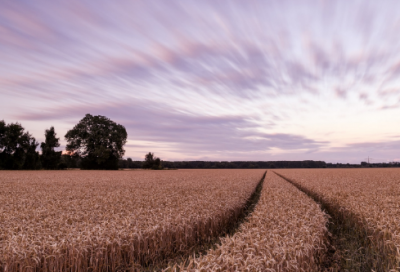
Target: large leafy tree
98,140
16,147
50,158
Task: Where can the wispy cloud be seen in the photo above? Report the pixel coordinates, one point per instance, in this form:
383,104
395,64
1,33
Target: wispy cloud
206,76
184,132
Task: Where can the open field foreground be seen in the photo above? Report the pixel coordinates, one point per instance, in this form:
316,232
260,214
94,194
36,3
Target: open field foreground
286,232
112,220
365,205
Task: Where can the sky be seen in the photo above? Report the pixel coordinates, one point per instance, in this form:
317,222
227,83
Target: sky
210,80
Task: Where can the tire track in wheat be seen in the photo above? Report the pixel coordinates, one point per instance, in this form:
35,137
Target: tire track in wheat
352,248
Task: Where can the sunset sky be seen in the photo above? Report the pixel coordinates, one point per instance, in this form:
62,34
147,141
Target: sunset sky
210,80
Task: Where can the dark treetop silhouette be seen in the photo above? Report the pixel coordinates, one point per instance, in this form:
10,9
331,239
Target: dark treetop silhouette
17,148
151,162
50,158
98,140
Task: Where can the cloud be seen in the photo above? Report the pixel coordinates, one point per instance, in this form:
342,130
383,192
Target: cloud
232,78
389,92
340,92
153,50
380,151
184,132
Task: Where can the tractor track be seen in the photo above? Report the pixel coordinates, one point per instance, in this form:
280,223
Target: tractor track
202,248
348,246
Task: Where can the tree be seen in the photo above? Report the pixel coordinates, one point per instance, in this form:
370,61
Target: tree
3,129
151,162
50,158
69,160
15,146
129,163
32,159
98,140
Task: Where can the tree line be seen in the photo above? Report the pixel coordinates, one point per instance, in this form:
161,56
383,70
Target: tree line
18,149
96,142
129,163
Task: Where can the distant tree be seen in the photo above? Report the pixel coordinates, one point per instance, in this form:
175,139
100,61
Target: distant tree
151,162
129,163
98,141
32,159
122,163
3,130
62,166
15,146
50,158
253,165
69,160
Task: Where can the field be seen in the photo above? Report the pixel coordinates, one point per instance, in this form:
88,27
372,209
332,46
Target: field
200,220
365,204
114,220
286,232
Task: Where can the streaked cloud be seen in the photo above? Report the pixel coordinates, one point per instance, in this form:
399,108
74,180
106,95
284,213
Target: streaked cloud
205,79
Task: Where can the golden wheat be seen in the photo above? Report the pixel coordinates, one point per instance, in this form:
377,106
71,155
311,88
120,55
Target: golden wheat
286,232
366,200
105,220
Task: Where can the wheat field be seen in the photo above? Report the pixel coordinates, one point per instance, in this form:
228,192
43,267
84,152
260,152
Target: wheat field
286,232
134,220
366,201
114,220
